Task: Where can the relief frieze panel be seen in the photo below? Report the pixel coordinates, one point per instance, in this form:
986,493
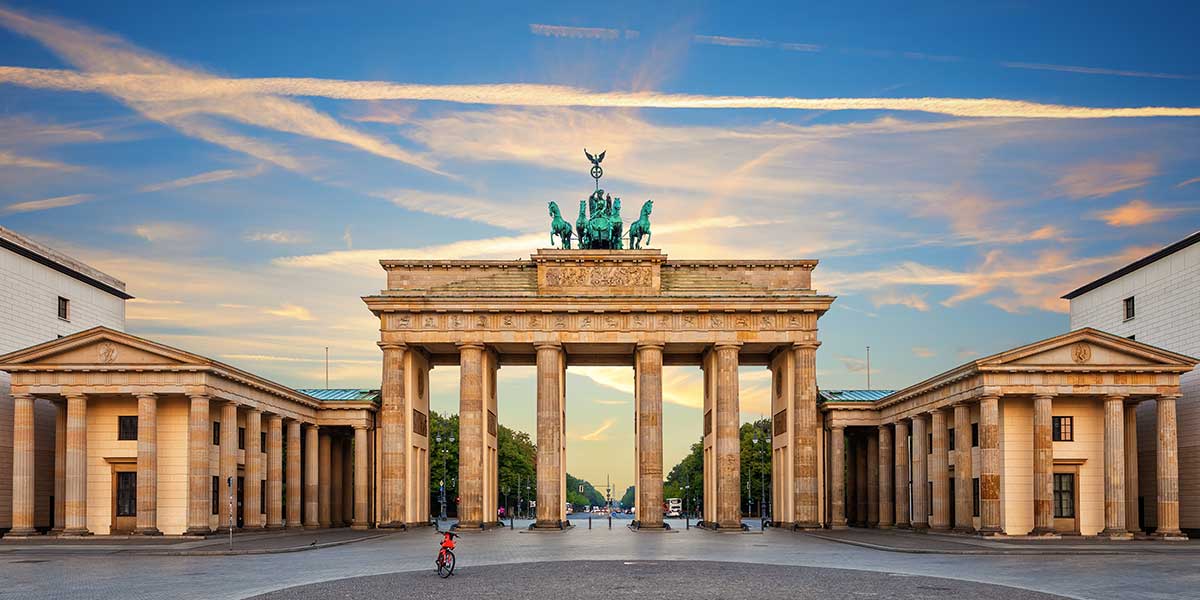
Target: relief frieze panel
623,276
599,321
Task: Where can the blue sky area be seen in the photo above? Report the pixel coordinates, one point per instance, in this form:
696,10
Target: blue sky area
243,166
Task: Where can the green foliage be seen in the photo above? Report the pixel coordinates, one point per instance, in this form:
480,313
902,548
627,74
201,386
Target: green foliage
443,454
517,458
590,496
756,465
686,479
627,498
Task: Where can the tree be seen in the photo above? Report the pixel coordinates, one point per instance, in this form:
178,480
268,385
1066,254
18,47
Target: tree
756,465
590,496
686,479
517,460
627,498
443,460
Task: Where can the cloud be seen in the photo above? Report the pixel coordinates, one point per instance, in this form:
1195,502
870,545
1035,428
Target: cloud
1095,71
892,297
584,33
115,67
275,237
8,159
598,434
45,203
1099,179
291,311
1188,182
923,352
481,210
203,178
852,364
738,42
160,231
611,402
293,359
1136,212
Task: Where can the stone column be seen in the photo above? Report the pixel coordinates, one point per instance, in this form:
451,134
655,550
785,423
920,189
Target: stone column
275,472
470,436
862,494
649,431
920,474
872,478
549,436
323,476
887,509
1131,470
76,500
335,481
199,477
23,497
1168,469
1114,467
311,477
228,465
147,465
964,498
728,417
1043,465
60,465
348,497
393,462
989,464
903,518
853,513
295,493
252,508
804,434
361,477
837,477
939,469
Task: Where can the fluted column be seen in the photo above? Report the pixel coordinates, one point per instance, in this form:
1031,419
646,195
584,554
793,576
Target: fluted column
903,518
1114,467
393,419
147,465
470,436
1131,470
60,465
274,472
252,508
989,464
920,474
837,477
311,477
853,513
649,357
728,430
228,466
887,509
964,498
347,516
199,477
1043,465
939,469
76,501
335,481
323,476
549,435
295,489
361,477
1168,469
804,434
24,447
872,460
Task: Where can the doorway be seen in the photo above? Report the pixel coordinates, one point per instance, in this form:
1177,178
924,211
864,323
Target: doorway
124,495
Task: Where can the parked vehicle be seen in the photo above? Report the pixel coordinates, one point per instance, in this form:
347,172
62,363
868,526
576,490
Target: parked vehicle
674,508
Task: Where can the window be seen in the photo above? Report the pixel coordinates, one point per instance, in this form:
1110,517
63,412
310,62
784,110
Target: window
262,442
127,428
1064,495
1063,429
1130,309
216,499
950,439
975,497
127,493
216,433
64,309
241,438
974,435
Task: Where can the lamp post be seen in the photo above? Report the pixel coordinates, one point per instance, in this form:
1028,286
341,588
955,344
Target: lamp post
442,482
762,502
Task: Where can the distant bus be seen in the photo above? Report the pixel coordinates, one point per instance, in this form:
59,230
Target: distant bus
674,507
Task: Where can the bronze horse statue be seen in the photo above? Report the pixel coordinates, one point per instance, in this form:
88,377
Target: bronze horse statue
641,227
559,227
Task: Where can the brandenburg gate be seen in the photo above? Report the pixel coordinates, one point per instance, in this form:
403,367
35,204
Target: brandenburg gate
598,306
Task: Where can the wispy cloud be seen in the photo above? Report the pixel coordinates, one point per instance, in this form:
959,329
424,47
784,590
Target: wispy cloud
1188,182
275,237
291,311
294,359
46,203
1095,70
203,178
160,231
583,33
9,159
598,434
1136,212
852,364
481,210
1099,179
923,352
892,297
611,402
739,42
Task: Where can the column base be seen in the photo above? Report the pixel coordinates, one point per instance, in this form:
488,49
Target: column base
391,525
839,525
550,525
964,530
903,526
197,531
275,527
1043,532
147,531
312,526
1170,536
293,525
804,525
885,526
22,532
360,526
639,526
76,532
920,527
1116,534
989,531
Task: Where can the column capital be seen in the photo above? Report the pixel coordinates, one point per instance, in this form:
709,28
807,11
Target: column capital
650,345
254,409
837,428
22,395
1169,396
469,345
806,345
728,345
361,427
72,394
547,345
274,417
199,395
391,345
989,395
1116,397
1045,395
149,395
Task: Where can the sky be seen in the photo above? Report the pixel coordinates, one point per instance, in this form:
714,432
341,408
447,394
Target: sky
956,169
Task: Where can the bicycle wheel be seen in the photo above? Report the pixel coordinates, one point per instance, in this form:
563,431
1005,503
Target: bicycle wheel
446,565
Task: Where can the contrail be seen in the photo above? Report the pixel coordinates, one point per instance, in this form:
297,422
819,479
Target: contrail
173,88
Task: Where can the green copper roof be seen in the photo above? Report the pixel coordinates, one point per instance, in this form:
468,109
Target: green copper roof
343,394
853,395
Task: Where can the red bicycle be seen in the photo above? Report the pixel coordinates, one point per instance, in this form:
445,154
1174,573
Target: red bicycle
445,557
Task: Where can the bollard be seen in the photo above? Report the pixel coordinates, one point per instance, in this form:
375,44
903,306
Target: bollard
589,522
510,522
687,522
610,520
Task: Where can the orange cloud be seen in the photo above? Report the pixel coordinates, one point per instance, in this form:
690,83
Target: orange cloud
1137,212
1100,179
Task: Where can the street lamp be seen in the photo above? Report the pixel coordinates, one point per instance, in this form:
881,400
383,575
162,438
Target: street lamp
442,482
762,502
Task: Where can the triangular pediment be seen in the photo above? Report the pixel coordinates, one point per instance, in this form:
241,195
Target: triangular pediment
101,347
1085,348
